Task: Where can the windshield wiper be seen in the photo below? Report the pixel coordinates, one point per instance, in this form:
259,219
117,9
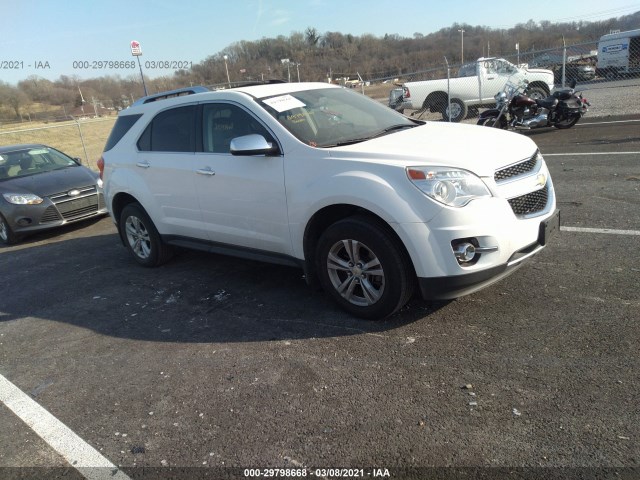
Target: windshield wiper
370,137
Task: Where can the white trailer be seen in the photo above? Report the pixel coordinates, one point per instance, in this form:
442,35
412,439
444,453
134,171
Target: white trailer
619,53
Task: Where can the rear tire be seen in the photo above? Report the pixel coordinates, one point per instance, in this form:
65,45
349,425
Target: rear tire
458,111
566,123
364,268
536,93
142,238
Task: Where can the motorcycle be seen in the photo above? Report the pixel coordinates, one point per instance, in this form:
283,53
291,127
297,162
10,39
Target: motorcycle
516,110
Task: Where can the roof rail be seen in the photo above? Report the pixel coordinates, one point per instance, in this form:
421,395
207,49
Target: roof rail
170,94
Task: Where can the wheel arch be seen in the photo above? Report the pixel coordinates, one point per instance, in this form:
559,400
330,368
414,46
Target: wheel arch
436,101
331,214
541,85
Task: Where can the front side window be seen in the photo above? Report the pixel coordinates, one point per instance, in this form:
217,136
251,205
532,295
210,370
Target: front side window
222,122
170,131
333,116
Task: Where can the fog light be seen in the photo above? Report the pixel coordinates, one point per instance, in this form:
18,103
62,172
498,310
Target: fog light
23,222
465,252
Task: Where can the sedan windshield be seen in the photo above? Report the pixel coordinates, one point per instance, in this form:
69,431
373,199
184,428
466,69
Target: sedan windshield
31,161
334,116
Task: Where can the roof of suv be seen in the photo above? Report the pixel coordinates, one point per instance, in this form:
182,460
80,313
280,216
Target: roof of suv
260,90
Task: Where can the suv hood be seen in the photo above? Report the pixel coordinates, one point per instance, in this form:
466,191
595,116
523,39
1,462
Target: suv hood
481,150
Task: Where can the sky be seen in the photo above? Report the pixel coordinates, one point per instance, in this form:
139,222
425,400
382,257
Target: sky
50,38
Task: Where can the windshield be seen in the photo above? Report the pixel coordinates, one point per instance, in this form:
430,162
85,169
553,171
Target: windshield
333,116
31,161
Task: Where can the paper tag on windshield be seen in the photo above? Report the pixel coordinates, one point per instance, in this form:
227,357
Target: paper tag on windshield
283,103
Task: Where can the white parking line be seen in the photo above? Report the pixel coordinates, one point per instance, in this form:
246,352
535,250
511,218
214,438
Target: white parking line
587,153
603,123
82,456
600,230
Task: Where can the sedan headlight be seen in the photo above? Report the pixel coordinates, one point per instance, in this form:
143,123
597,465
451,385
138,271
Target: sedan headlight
450,186
22,198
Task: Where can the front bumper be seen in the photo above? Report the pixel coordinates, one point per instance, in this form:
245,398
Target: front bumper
32,218
454,286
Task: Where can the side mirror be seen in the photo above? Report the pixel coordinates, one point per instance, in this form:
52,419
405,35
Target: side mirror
253,144
78,160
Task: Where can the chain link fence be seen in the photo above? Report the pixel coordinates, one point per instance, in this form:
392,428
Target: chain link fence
608,72
83,139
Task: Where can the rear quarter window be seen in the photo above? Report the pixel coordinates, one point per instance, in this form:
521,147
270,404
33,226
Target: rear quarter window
122,126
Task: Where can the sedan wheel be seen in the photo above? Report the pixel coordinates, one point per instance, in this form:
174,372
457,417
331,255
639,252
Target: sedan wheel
6,234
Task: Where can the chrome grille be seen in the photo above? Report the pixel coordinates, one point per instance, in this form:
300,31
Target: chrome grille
85,202
531,202
517,169
64,196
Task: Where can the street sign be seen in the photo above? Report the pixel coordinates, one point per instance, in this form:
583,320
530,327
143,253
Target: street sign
136,49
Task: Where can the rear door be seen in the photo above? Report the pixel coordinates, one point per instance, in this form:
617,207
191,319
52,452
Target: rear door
165,165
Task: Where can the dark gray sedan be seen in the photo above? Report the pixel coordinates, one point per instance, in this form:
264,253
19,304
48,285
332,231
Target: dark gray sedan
41,188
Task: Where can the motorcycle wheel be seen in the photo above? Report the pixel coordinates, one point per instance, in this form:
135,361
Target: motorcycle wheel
563,124
491,122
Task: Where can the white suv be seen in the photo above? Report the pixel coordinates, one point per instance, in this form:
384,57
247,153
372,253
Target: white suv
368,202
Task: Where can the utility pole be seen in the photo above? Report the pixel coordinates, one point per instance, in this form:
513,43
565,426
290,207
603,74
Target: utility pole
461,30
227,69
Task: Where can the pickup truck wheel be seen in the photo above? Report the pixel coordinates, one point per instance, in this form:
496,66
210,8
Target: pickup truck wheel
363,268
458,111
142,238
536,93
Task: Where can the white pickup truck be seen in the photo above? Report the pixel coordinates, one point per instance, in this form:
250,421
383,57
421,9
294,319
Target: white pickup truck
476,85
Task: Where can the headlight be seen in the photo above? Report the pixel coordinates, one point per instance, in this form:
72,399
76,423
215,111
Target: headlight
450,186
22,198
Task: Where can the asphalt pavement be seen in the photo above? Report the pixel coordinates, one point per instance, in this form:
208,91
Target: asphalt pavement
210,366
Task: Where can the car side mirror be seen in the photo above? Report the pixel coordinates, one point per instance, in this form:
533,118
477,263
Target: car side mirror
78,160
252,144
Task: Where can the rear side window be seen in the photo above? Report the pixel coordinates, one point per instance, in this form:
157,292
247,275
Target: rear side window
170,131
123,125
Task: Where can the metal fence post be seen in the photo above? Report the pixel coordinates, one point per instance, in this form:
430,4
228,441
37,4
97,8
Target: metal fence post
448,89
86,157
564,61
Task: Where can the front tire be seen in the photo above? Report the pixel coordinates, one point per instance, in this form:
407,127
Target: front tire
364,268
142,238
493,122
6,234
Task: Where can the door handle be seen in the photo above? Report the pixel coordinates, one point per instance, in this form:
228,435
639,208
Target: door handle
143,164
205,171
